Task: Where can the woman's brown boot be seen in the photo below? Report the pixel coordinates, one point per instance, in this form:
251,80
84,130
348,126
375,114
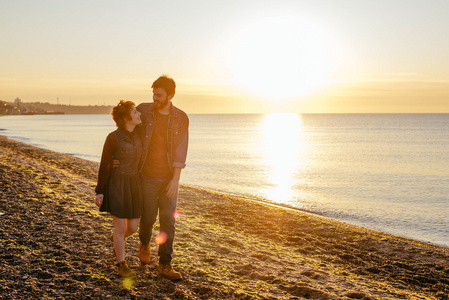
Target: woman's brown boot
124,271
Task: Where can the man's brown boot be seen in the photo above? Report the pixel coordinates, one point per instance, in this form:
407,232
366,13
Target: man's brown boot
144,254
124,271
168,272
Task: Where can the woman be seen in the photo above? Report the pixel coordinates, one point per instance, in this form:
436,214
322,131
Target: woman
118,188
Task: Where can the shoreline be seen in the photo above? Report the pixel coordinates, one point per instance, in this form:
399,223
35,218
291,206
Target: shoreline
288,207
56,244
273,203
356,205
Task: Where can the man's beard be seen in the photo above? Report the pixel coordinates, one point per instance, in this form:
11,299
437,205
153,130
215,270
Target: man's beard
161,104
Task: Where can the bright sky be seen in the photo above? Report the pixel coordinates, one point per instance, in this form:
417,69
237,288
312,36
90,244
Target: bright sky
230,56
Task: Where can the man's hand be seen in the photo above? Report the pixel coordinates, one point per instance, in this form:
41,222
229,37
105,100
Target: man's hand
172,188
99,199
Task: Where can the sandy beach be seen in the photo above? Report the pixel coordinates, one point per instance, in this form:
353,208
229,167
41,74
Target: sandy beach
55,245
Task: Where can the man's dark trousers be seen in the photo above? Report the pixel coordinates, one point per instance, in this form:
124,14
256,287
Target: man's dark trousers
154,200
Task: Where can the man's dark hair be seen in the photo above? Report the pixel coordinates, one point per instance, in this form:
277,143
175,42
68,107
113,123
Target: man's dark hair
167,83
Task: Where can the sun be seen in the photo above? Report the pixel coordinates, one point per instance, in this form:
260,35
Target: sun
283,56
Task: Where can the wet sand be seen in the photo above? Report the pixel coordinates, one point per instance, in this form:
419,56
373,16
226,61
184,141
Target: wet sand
55,244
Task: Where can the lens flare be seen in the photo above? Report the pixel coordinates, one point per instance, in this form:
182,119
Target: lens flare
160,238
128,283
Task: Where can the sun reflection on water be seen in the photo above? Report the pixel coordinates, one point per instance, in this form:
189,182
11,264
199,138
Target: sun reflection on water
283,143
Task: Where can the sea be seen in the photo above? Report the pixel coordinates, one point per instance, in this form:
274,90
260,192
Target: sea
388,172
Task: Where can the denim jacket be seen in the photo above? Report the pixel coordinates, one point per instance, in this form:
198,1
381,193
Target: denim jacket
128,152
177,135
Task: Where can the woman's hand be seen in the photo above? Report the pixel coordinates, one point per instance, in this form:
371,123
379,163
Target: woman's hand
99,199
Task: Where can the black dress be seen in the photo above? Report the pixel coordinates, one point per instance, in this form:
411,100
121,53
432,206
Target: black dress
123,191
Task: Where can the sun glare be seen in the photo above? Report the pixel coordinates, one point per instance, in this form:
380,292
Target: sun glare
282,57
283,143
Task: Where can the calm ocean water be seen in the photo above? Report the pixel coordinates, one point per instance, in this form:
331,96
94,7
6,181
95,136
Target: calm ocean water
388,172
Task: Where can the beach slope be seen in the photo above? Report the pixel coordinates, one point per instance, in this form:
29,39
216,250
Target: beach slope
55,244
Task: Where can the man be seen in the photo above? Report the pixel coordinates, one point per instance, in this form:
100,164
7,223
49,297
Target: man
164,133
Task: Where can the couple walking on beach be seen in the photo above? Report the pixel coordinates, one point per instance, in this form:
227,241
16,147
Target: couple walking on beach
139,174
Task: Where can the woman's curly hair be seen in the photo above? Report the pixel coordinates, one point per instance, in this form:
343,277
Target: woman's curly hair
122,111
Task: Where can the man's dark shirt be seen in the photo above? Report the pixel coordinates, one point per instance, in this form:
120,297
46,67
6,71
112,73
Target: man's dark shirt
156,164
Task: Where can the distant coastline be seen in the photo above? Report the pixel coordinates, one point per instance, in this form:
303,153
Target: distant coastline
40,108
